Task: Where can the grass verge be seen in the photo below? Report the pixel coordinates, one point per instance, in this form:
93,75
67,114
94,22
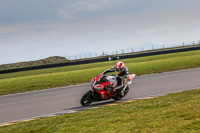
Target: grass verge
179,112
64,76
95,65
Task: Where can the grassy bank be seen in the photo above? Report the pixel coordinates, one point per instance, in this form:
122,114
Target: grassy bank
95,65
179,112
64,76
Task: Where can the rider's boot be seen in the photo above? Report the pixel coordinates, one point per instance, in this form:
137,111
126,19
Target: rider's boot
122,92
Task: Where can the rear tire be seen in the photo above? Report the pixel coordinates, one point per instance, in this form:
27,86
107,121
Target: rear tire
118,96
87,98
126,91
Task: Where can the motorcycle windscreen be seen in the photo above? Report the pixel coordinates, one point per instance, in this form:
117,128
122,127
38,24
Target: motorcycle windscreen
102,79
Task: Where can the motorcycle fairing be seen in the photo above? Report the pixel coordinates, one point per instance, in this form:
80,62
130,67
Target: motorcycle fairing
130,78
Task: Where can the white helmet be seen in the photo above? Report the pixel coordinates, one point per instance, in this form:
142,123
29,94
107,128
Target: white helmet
119,66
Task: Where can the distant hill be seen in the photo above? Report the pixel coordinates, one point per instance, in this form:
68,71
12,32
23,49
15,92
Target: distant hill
49,60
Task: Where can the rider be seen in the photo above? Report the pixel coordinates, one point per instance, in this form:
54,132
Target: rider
122,76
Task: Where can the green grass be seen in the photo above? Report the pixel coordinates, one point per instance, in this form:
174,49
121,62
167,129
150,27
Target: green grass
64,76
179,112
57,59
95,65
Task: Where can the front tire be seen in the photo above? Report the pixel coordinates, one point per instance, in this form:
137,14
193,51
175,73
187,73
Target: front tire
87,98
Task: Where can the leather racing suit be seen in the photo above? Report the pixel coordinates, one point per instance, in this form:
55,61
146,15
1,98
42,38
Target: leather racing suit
122,78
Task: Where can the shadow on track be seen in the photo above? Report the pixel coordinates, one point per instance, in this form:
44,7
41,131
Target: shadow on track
95,104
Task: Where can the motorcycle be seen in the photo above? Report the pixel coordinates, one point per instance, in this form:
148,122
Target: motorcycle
99,89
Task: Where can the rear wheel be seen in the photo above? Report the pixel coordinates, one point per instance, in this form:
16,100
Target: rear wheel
87,98
118,96
126,91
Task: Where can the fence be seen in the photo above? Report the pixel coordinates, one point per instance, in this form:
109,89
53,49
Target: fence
146,47
105,58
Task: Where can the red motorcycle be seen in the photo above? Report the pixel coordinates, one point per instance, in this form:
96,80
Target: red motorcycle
99,89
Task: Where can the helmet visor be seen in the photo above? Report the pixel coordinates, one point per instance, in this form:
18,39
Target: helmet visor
118,69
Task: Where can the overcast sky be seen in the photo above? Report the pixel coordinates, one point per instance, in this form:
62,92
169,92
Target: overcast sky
36,29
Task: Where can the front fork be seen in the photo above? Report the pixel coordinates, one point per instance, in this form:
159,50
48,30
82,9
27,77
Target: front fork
94,96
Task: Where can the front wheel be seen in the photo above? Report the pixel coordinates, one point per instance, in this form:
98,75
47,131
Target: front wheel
87,98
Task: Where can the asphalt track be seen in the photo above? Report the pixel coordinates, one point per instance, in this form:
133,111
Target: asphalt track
22,106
